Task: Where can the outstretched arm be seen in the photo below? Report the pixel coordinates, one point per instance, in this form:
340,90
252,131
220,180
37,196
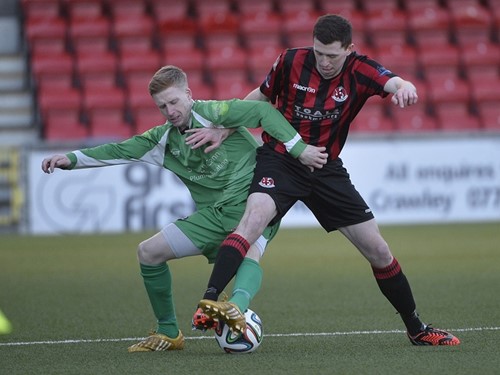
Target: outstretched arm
202,136
405,92
55,161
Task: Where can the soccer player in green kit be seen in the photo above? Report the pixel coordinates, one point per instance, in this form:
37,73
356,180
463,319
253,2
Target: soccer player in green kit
217,178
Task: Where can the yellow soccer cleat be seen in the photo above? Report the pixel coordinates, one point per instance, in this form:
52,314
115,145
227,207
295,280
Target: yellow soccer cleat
5,326
157,342
226,312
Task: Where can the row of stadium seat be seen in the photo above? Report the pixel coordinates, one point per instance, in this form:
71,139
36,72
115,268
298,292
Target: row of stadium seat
81,49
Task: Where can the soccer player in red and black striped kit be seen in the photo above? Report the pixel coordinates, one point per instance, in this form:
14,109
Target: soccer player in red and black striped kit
320,90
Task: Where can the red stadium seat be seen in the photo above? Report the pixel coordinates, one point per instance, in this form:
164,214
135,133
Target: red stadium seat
370,6
189,59
415,5
40,8
46,34
202,91
60,128
480,59
127,8
471,22
169,10
52,66
133,33
219,30
294,6
99,98
84,9
400,58
109,124
58,98
260,62
178,35
261,29
449,90
438,61
226,58
456,117
89,34
414,118
298,22
372,118
489,114
246,7
486,89
203,7
336,7
232,89
145,119
131,62
387,26
429,26
96,69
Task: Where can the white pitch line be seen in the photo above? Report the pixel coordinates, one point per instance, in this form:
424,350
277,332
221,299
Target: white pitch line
349,333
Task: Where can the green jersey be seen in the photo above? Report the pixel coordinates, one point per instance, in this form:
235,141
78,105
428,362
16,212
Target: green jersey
219,178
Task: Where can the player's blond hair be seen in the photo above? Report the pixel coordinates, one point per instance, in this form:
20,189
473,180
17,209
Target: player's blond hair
166,77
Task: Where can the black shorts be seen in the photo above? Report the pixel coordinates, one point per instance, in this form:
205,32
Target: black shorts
327,192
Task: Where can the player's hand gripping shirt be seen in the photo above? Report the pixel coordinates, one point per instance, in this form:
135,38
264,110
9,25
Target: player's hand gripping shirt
217,178
321,110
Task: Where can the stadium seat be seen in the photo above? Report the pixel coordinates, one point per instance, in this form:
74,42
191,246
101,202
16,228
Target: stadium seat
177,35
439,61
219,30
58,98
169,10
46,34
372,118
449,90
260,62
203,7
232,89
52,66
489,113
226,58
202,91
246,7
109,124
471,22
400,58
294,6
456,117
480,59
133,33
413,119
415,5
96,69
387,26
89,34
299,22
127,8
40,9
189,59
485,89
336,7
62,127
370,6
261,29
147,61
429,26
145,119
84,9
99,98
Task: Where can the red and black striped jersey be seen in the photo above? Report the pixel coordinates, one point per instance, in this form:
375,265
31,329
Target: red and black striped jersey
321,110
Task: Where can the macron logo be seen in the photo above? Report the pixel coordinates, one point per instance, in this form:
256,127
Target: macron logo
304,88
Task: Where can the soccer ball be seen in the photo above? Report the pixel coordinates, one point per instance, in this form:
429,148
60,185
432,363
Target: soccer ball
247,342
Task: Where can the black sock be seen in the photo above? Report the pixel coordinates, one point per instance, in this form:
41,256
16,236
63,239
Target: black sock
230,255
395,287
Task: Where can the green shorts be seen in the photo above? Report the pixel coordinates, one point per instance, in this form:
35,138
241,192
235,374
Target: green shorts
208,227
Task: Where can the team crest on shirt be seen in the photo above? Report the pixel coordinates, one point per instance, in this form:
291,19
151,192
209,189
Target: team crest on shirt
340,94
267,182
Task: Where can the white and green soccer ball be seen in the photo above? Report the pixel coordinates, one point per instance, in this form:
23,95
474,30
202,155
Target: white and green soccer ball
246,342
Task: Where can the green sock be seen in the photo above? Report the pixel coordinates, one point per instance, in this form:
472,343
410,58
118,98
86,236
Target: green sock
247,283
158,283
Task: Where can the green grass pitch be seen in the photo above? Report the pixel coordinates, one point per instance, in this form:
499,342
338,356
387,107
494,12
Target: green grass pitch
77,302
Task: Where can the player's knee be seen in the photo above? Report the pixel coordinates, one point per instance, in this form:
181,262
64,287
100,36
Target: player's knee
146,254
380,255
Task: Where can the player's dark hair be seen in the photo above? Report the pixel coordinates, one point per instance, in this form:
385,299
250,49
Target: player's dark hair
331,28
166,77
